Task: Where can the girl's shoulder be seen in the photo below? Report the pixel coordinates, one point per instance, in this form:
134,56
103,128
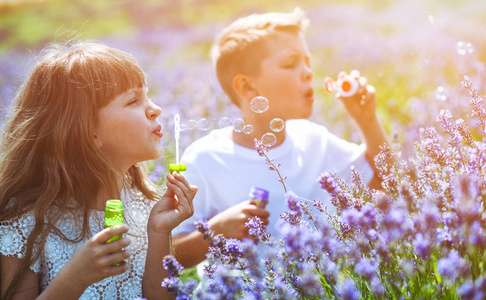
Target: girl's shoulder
14,234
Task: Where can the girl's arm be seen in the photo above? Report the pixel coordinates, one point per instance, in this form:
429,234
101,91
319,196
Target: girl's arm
28,287
174,207
94,261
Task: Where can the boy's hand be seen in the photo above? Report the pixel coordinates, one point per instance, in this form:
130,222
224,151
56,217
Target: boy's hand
231,222
174,207
96,258
362,105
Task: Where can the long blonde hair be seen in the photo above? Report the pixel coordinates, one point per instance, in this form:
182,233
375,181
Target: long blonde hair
47,151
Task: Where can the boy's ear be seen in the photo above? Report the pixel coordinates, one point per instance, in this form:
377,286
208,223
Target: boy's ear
244,87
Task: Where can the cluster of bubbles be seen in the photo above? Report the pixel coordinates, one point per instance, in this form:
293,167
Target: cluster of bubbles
202,124
259,105
464,48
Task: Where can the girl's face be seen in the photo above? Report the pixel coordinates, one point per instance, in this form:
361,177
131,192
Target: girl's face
286,78
127,129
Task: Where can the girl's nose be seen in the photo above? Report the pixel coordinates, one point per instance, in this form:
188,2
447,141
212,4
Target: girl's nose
153,111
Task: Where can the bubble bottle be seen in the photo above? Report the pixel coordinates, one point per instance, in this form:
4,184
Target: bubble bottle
177,128
346,85
114,216
258,197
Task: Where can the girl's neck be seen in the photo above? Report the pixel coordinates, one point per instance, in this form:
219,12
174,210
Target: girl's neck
104,195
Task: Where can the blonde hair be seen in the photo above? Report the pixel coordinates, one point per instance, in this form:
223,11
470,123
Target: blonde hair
240,48
47,151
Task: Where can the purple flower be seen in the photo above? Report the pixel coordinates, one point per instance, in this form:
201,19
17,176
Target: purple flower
453,266
256,229
348,290
203,227
422,246
172,266
366,268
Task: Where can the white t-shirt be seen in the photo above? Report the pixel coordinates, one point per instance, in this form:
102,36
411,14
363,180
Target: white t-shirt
224,172
57,251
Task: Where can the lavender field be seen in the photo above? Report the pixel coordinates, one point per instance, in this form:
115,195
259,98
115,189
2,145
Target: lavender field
427,60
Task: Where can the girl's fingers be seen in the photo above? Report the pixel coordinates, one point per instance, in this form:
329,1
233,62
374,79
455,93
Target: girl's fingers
116,245
116,268
181,183
103,236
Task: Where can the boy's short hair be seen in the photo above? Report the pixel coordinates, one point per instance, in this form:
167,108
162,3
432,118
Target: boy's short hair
239,49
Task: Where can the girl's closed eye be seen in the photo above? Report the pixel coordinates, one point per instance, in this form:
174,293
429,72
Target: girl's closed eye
133,101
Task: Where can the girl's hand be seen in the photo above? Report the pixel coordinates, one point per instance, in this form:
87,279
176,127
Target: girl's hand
362,105
96,258
175,205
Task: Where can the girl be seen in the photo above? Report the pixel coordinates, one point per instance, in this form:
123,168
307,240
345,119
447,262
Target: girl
74,137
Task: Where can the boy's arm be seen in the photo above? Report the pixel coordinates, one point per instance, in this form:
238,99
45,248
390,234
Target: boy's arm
191,248
362,108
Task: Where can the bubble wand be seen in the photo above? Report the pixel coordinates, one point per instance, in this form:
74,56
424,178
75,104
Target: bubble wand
177,129
346,85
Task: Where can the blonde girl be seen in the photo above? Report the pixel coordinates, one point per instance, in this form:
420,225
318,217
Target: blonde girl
75,136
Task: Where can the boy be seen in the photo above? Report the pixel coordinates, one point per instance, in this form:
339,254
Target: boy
266,55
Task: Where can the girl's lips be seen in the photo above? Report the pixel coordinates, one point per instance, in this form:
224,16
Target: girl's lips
158,131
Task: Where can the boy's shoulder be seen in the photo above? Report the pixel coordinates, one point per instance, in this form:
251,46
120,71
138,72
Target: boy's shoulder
304,127
217,139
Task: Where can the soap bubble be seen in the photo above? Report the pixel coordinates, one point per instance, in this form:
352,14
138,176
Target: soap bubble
269,139
203,124
441,93
224,121
464,48
248,129
259,104
190,125
238,125
277,125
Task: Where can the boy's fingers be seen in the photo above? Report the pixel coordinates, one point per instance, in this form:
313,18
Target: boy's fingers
355,73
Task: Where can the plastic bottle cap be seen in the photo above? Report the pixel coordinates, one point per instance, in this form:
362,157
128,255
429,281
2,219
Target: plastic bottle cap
258,194
177,167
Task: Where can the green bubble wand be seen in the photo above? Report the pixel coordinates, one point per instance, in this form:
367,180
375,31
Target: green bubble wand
178,167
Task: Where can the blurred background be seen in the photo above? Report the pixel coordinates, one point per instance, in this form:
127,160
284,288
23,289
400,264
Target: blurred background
415,52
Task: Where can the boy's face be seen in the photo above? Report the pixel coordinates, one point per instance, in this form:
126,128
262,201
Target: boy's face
286,78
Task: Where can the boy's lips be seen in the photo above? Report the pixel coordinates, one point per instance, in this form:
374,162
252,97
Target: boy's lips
309,94
158,131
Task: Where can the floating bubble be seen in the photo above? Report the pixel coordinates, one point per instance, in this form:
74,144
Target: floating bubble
238,125
441,93
248,129
224,121
277,125
269,139
203,124
259,104
464,48
190,125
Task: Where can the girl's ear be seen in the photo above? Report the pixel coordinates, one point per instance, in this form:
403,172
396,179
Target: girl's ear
98,141
244,87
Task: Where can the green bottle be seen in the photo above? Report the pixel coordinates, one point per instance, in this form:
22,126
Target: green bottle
113,215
